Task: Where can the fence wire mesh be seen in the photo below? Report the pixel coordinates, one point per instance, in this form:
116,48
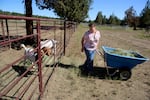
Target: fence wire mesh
19,78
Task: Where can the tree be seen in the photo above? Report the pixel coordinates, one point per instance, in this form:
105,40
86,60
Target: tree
131,17
73,10
123,22
110,20
113,20
145,15
29,23
104,20
46,4
99,18
28,12
117,20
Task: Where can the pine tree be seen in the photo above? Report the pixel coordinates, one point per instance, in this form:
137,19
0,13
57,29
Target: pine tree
104,20
99,18
145,15
114,20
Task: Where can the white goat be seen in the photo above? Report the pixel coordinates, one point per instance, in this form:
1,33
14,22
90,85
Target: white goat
49,46
29,54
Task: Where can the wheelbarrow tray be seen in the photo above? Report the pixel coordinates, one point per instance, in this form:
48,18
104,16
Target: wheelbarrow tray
120,61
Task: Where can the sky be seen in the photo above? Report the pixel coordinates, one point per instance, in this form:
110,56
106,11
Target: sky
107,7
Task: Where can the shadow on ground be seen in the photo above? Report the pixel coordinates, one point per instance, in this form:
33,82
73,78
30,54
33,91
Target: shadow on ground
66,65
99,72
21,69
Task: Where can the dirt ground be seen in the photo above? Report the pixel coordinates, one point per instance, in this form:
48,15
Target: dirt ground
67,83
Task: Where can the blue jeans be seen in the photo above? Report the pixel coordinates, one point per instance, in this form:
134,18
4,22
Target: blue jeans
88,65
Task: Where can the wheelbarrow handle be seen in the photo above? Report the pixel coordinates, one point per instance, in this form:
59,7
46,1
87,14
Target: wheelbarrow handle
99,53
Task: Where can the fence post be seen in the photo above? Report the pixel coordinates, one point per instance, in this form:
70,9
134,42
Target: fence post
40,59
3,32
8,33
64,37
54,43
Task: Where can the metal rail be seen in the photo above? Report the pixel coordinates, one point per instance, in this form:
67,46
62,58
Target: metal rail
12,34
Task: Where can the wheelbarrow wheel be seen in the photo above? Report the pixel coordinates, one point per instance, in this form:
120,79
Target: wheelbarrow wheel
125,74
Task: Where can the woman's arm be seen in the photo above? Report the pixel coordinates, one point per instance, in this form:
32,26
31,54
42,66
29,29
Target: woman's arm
82,44
98,40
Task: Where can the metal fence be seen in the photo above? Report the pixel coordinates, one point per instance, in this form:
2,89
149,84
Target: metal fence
19,80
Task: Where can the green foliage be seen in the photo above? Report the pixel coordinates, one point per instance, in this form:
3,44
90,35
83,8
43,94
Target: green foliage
46,4
104,20
73,10
123,22
145,15
113,20
20,14
99,18
10,13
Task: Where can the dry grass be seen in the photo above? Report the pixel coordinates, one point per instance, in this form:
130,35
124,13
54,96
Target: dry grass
68,83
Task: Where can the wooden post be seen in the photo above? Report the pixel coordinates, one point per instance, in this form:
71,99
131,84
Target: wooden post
8,33
64,37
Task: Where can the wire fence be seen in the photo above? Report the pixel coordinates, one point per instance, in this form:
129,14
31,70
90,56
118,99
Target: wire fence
20,79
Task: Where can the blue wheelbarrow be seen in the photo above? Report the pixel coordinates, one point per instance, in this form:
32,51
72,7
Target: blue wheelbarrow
121,63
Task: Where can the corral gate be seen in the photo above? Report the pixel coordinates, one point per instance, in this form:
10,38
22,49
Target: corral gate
19,80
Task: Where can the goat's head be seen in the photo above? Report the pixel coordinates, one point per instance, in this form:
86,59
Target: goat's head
22,46
47,51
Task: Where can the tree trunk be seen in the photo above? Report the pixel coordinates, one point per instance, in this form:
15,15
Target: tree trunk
135,22
134,26
29,23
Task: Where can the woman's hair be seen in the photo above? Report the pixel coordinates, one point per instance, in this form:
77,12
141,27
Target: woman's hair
91,24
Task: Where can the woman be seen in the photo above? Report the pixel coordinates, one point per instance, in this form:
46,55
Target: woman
90,41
